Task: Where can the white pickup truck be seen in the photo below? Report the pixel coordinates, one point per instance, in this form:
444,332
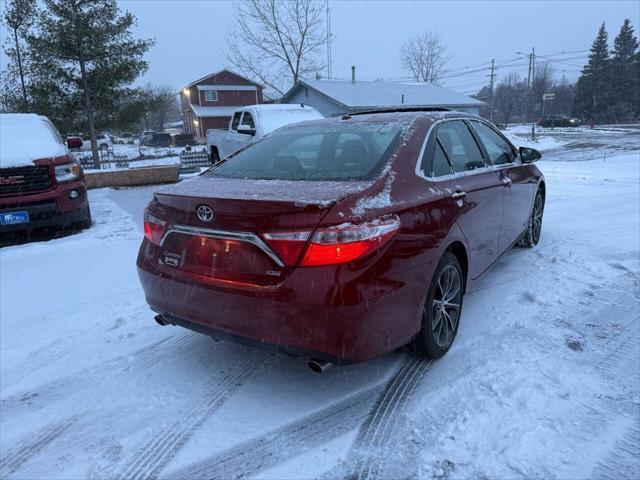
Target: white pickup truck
251,123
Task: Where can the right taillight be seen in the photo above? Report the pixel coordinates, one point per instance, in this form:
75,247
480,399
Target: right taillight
333,245
154,228
288,245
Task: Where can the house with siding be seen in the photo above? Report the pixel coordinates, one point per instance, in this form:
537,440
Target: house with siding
332,97
209,102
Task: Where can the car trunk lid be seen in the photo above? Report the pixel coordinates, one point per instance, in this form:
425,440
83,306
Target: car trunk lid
230,245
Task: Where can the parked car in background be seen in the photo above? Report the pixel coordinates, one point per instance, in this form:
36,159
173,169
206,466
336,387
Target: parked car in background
342,239
251,123
556,120
182,139
41,184
104,141
146,134
119,139
155,139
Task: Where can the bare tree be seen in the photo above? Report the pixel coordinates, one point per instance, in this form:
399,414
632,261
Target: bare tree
542,83
160,103
507,95
425,57
277,41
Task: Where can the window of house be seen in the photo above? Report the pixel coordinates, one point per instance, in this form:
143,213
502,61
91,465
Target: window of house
210,95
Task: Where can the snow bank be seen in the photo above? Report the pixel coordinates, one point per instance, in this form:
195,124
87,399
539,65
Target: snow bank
25,137
519,135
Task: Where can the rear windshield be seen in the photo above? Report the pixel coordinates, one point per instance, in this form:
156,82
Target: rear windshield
356,151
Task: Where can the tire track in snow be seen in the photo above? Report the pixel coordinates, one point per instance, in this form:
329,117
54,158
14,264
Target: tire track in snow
369,452
623,462
37,441
623,363
151,458
140,360
293,439
13,461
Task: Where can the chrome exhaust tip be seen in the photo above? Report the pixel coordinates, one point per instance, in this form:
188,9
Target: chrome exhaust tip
318,366
160,321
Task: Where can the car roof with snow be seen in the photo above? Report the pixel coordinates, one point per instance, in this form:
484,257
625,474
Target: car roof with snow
25,137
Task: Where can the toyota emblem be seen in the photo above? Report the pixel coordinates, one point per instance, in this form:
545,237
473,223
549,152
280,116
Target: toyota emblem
204,213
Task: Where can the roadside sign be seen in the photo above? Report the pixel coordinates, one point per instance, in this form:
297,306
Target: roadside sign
548,96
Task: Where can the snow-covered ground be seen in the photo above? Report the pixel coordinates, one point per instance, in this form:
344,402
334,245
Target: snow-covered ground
542,381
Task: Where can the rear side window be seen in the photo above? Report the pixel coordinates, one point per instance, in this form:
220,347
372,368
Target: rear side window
440,163
434,160
316,152
236,120
499,150
460,146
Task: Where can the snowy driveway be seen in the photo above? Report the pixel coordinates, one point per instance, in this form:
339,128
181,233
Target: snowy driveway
542,381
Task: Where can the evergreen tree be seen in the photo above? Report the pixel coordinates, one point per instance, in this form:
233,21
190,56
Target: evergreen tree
624,70
593,89
18,17
88,48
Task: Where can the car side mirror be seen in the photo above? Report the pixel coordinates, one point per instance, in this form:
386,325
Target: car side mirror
246,130
529,155
74,142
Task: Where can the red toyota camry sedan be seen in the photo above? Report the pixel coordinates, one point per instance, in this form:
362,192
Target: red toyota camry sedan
344,238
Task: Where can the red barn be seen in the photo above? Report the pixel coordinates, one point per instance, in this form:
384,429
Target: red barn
210,101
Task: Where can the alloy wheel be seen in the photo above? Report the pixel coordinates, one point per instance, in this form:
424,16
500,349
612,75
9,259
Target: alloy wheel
445,306
538,208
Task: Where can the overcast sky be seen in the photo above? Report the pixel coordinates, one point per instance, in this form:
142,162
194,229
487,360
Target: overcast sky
191,34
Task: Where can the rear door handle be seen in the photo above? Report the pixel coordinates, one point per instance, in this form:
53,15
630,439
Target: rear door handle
458,195
506,181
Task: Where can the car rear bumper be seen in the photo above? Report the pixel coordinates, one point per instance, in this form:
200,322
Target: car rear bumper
278,319
54,208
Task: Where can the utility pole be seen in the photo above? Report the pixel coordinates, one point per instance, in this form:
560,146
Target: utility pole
493,76
533,92
328,42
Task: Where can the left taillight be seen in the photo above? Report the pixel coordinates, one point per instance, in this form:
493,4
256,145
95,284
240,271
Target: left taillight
332,245
154,228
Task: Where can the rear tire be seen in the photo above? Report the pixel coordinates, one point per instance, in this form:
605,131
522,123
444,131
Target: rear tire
531,236
442,309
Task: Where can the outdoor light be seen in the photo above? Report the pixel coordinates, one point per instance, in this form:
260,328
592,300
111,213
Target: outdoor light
186,92
195,122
